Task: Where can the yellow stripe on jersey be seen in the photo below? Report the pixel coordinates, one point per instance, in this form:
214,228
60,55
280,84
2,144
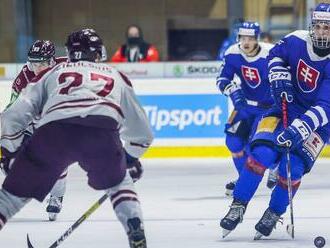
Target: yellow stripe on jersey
268,124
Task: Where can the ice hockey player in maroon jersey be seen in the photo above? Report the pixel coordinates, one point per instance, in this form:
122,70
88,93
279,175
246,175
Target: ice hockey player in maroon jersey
87,109
41,56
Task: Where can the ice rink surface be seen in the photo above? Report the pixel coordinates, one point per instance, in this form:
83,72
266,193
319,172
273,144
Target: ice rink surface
182,201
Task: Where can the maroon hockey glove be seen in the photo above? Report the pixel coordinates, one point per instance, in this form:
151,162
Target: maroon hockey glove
134,167
6,160
135,170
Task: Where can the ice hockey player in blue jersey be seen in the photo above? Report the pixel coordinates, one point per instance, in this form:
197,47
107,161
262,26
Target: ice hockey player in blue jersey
299,72
251,97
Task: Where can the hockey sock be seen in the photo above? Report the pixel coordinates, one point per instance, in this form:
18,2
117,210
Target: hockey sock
261,158
10,205
236,146
280,199
59,187
125,201
239,162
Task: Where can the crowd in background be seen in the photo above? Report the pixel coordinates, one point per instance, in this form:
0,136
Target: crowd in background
137,49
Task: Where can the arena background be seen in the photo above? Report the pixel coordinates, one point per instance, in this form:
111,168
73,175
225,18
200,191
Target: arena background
183,105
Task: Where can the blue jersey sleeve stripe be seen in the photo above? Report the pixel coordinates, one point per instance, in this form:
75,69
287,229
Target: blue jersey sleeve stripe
276,60
321,111
314,118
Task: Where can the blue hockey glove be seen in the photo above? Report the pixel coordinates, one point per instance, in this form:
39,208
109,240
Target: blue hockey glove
238,99
236,95
294,135
280,85
134,167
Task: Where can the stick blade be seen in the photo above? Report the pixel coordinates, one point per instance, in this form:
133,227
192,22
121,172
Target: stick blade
28,241
290,230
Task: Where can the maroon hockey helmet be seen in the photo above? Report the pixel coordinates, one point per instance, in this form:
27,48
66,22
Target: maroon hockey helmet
84,44
41,51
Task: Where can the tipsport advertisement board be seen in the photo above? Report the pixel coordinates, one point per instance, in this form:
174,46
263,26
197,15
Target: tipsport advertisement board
186,116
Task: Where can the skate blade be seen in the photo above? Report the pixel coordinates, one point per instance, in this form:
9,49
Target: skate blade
229,193
52,216
225,233
257,236
139,244
271,185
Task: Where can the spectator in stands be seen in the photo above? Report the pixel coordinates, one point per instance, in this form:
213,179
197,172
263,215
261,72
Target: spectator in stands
266,37
231,39
136,49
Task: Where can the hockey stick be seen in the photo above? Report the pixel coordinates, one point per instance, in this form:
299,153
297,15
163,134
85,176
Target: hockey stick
76,224
290,227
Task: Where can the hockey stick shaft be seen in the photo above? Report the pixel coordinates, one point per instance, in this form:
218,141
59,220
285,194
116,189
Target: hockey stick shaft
288,167
67,233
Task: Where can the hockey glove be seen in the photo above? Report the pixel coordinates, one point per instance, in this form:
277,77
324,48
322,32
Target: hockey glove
236,95
6,160
134,167
280,85
294,135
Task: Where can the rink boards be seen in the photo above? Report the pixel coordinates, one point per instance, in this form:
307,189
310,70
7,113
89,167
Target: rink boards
187,116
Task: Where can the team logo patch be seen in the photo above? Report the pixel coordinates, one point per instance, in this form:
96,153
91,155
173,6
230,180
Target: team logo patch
314,145
251,76
307,77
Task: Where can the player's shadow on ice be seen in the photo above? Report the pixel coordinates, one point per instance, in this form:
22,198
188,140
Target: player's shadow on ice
260,241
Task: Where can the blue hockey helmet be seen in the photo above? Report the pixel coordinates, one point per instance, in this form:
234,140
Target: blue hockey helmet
249,29
319,29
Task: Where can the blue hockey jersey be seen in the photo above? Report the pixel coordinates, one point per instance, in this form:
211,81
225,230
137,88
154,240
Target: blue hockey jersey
310,77
252,72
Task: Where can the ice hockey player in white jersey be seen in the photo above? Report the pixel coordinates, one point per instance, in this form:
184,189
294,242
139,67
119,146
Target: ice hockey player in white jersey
86,109
41,56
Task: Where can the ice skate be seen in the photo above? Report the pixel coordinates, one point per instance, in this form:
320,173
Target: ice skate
266,224
230,188
233,217
136,235
54,207
272,178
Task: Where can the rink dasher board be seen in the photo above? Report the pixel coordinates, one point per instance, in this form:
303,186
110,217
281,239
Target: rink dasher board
170,141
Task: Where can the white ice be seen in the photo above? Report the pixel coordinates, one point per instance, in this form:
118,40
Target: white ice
182,201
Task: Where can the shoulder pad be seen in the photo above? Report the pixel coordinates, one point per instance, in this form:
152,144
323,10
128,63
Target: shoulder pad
44,72
233,49
301,34
266,46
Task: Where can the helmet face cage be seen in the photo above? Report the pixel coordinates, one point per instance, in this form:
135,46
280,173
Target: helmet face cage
86,45
320,40
319,30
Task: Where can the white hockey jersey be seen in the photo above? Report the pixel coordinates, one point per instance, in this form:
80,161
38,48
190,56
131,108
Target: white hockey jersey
78,90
